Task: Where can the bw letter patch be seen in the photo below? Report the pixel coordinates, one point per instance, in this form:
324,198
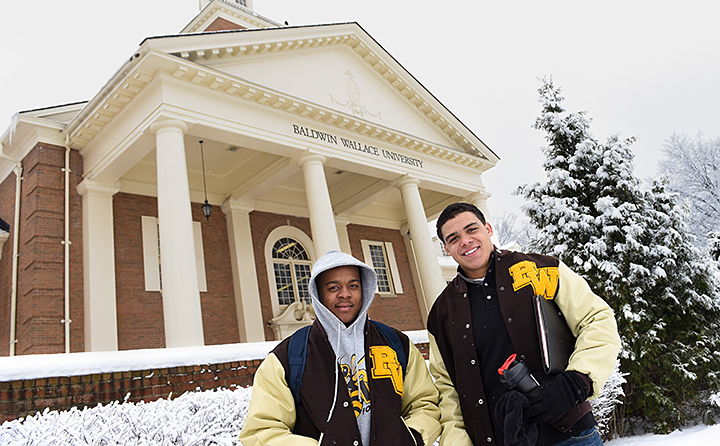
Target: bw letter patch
386,365
543,280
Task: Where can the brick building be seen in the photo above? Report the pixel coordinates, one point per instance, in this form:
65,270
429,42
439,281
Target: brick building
301,139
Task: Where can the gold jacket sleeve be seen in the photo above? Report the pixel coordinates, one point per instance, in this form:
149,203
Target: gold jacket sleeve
451,419
271,415
420,398
593,322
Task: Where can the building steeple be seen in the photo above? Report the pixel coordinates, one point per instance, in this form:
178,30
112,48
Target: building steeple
244,3
227,15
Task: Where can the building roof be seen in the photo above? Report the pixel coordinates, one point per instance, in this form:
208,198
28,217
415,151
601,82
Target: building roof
249,88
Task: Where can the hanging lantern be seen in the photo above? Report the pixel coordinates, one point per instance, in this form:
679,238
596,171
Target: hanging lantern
206,208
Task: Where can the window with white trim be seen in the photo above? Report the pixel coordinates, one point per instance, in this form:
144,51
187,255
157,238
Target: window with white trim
291,268
151,254
381,256
289,255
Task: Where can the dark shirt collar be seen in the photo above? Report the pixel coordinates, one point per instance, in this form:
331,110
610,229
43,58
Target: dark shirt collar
491,263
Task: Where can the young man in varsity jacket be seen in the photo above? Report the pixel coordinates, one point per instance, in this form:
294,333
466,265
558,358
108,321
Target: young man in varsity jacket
353,390
485,315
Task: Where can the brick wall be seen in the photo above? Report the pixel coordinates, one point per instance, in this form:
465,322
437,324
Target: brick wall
7,213
221,24
40,300
26,397
220,322
140,312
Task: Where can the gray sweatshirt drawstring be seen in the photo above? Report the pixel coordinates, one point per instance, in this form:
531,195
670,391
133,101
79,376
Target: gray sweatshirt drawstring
337,375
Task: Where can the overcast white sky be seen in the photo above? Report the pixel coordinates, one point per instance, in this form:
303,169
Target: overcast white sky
640,68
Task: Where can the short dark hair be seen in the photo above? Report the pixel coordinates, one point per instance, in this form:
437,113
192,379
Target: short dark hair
453,210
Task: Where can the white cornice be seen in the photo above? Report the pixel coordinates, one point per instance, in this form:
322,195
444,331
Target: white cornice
28,131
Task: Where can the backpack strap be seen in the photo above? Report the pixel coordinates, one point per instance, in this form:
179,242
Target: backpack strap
394,340
297,352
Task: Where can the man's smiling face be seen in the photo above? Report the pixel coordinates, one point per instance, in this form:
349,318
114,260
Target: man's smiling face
340,291
467,240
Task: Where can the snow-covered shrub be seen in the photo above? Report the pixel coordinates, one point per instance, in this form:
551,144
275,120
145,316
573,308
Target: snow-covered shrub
605,407
195,418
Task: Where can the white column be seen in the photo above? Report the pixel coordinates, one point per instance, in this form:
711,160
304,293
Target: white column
479,199
322,219
245,284
181,299
100,307
415,270
430,272
341,226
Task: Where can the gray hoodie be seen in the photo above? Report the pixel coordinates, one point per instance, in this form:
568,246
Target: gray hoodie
348,343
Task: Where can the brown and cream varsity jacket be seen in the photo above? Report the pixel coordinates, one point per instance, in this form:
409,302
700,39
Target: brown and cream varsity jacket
465,417
404,410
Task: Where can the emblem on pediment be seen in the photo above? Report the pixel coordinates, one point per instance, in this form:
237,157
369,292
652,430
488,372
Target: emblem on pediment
354,99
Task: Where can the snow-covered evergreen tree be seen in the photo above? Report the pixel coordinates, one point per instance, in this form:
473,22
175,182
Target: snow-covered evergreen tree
633,248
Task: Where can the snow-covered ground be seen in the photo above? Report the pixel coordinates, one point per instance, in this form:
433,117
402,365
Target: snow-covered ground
205,418
691,436
194,418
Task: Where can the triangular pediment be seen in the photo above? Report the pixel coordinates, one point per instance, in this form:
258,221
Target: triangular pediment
338,67
337,79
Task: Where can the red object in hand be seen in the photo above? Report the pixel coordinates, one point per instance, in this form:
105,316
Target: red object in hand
515,375
508,363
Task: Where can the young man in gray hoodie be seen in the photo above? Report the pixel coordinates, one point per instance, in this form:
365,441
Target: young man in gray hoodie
353,390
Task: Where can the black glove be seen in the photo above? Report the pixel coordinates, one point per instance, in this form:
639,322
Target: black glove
510,415
555,397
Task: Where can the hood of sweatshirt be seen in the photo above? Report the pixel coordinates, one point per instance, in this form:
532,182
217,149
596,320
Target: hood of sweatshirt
368,279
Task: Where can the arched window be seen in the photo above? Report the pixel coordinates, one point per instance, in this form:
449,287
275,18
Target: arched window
289,256
291,267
